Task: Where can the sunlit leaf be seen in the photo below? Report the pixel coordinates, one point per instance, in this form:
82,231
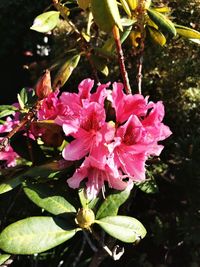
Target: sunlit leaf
106,14
124,228
46,21
157,36
187,32
149,186
66,70
34,235
45,198
163,9
9,184
4,258
126,7
162,22
197,41
112,203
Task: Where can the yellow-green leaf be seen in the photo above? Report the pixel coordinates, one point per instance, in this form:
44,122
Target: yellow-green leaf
133,4
157,36
83,4
106,14
127,229
163,23
126,7
34,235
187,32
163,9
66,70
46,21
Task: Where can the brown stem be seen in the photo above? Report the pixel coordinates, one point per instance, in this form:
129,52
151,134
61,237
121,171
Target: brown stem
124,73
84,45
30,115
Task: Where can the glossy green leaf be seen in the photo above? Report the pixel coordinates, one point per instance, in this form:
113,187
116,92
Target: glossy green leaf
66,70
4,258
149,186
34,235
45,198
124,228
187,32
157,36
106,14
9,184
112,203
46,21
162,22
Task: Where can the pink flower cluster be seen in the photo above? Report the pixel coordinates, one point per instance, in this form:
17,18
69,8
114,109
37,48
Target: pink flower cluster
111,151
7,154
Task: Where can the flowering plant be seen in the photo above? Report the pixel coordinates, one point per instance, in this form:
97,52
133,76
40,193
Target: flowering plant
94,140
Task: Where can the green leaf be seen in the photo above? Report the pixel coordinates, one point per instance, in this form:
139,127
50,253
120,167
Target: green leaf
6,110
27,148
197,41
66,70
34,235
100,64
126,7
106,14
45,198
85,203
109,46
83,4
162,22
124,228
157,36
112,203
46,21
149,186
187,32
4,258
9,184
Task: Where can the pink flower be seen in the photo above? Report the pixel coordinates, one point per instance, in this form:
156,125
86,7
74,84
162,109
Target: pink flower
137,139
90,131
9,156
97,171
51,107
75,103
126,105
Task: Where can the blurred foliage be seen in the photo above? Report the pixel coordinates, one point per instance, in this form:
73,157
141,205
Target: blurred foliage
171,73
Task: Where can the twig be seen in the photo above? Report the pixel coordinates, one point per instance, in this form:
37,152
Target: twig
77,259
84,45
93,247
29,116
124,73
139,75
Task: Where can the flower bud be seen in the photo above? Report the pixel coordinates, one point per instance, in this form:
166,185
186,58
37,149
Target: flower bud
85,218
43,86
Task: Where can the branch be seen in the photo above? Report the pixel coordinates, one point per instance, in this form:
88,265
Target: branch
124,73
